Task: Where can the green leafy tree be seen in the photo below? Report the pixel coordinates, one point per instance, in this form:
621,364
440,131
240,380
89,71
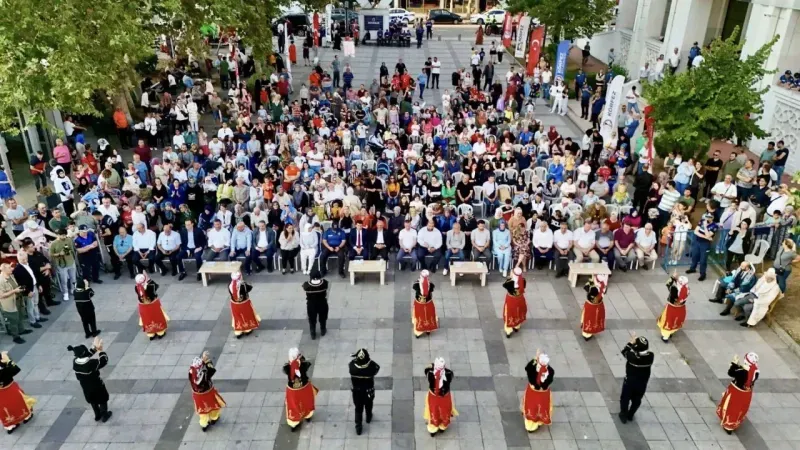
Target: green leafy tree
717,100
567,18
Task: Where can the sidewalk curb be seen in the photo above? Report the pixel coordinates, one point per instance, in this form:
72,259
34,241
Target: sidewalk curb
785,337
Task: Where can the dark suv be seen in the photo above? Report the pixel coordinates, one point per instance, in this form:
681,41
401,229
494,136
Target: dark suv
444,16
299,22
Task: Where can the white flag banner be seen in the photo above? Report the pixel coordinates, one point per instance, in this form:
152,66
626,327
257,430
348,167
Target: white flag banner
608,121
522,36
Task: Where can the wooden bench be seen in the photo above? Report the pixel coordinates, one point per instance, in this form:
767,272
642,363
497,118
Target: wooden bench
217,268
468,267
576,269
362,266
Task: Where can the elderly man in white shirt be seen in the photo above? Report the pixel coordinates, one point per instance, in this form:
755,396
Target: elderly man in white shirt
724,192
646,245
542,245
407,243
563,241
144,245
169,246
429,240
219,242
584,243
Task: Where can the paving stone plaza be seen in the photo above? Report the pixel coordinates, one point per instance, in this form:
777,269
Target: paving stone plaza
151,399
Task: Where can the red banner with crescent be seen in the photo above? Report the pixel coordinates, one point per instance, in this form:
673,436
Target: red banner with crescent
507,26
316,29
535,49
649,130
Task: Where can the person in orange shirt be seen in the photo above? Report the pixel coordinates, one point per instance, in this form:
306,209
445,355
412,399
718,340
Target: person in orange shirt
291,173
123,128
314,79
269,189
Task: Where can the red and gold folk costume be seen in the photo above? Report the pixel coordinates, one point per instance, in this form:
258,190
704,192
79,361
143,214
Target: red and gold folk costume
735,401
515,308
243,316
208,403
152,317
439,405
537,401
15,406
593,316
300,393
423,311
674,314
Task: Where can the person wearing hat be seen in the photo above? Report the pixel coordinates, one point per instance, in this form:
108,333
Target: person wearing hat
593,315
674,314
703,237
88,248
207,401
757,301
87,365
83,301
439,407
316,289
300,393
243,316
16,406
735,402
423,310
638,361
62,252
537,401
152,317
13,304
515,308
362,374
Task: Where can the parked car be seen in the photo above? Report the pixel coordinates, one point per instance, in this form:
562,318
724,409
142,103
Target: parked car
493,15
401,14
444,16
338,15
299,22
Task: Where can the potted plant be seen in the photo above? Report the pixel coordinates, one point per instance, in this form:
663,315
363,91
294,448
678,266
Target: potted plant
48,197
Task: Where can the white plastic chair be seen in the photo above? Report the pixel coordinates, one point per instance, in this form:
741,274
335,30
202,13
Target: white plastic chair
511,175
359,163
499,174
477,201
575,208
759,252
612,209
457,176
463,208
504,188
540,172
527,174
517,148
371,165
625,210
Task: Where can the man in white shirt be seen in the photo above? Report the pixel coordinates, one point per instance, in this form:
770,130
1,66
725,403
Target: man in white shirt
436,69
475,60
646,245
219,242
314,159
547,76
380,248
455,242
225,131
542,245
698,60
481,242
491,198
144,245
632,99
563,240
407,243
216,146
169,246
177,140
584,242
724,192
107,209
430,246
674,60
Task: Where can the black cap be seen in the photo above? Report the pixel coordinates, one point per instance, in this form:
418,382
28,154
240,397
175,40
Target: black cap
362,355
79,351
83,228
641,344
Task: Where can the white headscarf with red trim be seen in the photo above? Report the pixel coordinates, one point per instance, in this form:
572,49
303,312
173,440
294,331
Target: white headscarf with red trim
515,275
197,370
424,283
141,284
438,371
751,364
234,286
601,280
542,363
683,289
294,363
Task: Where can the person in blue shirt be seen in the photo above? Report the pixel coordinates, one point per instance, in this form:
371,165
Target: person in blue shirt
580,80
525,136
177,193
501,247
787,79
524,160
334,243
347,77
429,29
122,251
630,129
597,107
419,36
444,222
88,248
422,79
693,52
188,81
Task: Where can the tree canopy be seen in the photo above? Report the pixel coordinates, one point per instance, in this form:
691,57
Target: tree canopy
567,18
717,100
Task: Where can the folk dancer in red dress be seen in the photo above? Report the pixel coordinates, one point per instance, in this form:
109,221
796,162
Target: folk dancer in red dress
674,314
243,316
15,406
300,393
593,316
515,308
208,403
423,311
439,406
735,402
537,401
152,317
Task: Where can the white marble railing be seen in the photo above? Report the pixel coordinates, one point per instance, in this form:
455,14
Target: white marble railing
625,36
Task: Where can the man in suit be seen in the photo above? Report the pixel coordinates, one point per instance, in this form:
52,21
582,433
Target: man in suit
359,242
44,272
264,244
25,276
193,243
381,242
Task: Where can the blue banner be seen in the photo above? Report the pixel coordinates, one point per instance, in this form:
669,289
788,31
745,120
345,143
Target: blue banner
373,23
561,59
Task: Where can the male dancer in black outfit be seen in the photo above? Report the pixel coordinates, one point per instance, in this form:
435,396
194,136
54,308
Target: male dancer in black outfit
362,374
317,303
87,371
639,360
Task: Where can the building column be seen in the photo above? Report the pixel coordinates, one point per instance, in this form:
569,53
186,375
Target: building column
649,17
688,23
626,15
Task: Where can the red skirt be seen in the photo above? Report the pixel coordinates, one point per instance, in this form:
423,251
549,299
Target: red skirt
300,402
439,409
152,317
205,402
15,406
244,316
515,310
537,406
733,407
593,318
424,317
672,317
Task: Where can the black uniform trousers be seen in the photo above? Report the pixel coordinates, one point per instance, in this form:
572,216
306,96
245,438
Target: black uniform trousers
631,397
100,409
363,400
317,310
86,311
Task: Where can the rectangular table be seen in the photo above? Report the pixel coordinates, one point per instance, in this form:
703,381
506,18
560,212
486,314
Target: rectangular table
217,268
361,266
576,269
468,267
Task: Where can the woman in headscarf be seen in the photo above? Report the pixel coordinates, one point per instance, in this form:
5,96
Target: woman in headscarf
501,247
423,310
515,308
593,315
17,407
537,401
208,403
735,401
152,317
243,316
300,393
439,406
674,314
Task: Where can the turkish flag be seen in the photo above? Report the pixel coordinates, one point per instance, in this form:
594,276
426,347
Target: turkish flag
507,30
535,49
316,30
